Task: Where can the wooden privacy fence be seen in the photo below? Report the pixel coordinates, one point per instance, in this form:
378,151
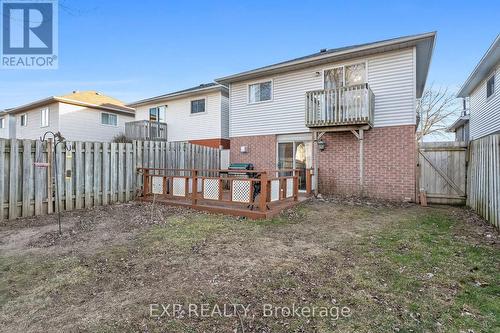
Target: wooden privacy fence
484,178
88,174
442,171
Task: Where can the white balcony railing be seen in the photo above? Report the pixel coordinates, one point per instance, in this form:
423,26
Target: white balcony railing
351,105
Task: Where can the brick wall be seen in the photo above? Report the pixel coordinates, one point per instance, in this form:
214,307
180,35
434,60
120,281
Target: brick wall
389,169
390,161
261,151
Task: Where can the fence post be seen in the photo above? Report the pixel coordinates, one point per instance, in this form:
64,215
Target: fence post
308,181
145,190
194,187
263,192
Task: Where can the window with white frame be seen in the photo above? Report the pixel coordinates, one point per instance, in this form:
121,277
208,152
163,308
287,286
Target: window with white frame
344,76
24,119
2,122
197,106
158,114
490,86
44,117
109,119
260,92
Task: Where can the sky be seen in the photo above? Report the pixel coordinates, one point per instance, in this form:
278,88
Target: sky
136,49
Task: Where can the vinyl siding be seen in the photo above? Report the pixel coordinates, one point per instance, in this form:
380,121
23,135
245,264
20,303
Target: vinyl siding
33,130
79,123
9,129
391,76
182,125
485,113
224,117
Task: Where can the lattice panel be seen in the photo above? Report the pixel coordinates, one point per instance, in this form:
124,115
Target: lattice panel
198,186
289,187
211,189
241,191
157,185
179,187
275,190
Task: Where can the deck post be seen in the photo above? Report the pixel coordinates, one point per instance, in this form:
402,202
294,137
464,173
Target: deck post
263,192
308,181
145,190
194,187
295,188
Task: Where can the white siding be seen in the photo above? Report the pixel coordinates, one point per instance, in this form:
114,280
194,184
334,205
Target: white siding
224,117
485,113
78,123
9,126
33,130
182,125
391,76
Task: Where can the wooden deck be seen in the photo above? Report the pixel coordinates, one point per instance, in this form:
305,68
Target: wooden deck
249,193
230,208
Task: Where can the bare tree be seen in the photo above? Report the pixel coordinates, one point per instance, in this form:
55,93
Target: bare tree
435,111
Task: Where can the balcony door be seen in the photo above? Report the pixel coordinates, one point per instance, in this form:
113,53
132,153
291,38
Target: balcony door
295,154
157,115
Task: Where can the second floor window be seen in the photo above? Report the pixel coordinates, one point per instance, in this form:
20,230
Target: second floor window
158,114
2,122
24,120
490,86
260,92
44,117
109,119
344,76
198,106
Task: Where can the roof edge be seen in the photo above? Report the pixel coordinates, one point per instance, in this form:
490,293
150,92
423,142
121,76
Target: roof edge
179,94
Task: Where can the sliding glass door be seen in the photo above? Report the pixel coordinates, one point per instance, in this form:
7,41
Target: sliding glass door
295,155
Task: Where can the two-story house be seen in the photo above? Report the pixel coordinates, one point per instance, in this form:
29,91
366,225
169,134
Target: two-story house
199,115
79,116
349,113
482,89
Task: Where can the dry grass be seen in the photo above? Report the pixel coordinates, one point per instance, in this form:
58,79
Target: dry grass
396,268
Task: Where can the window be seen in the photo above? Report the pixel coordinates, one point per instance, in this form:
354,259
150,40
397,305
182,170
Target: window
158,114
24,120
345,76
2,122
260,92
490,86
109,119
198,106
44,117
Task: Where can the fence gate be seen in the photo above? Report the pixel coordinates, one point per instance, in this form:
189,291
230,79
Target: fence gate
442,171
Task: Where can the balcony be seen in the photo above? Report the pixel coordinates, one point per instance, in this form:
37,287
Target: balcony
146,130
346,106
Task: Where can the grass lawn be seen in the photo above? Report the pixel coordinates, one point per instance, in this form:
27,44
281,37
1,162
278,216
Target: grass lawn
384,268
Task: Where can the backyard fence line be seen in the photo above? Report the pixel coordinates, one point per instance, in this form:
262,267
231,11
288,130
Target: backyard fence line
484,178
88,174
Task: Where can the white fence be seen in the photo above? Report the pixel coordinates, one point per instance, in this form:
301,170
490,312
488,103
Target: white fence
89,174
484,178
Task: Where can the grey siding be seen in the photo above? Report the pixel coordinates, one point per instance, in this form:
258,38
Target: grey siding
485,113
390,75
224,116
33,130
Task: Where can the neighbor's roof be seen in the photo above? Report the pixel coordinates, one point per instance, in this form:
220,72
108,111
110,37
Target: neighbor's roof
90,98
483,68
205,87
424,44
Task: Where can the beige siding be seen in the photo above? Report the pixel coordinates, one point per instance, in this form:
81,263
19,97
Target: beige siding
33,129
182,125
78,123
224,116
391,77
485,113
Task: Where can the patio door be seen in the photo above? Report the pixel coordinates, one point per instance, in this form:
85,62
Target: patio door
295,155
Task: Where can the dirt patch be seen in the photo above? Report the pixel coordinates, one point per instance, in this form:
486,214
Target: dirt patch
391,265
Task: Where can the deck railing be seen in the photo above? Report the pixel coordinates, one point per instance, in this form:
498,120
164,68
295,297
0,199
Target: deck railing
352,105
226,186
146,130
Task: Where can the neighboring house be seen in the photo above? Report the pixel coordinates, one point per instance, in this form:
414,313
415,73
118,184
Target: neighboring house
349,113
79,116
198,115
461,126
482,88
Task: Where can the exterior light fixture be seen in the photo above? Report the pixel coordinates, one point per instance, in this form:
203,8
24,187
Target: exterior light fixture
321,145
